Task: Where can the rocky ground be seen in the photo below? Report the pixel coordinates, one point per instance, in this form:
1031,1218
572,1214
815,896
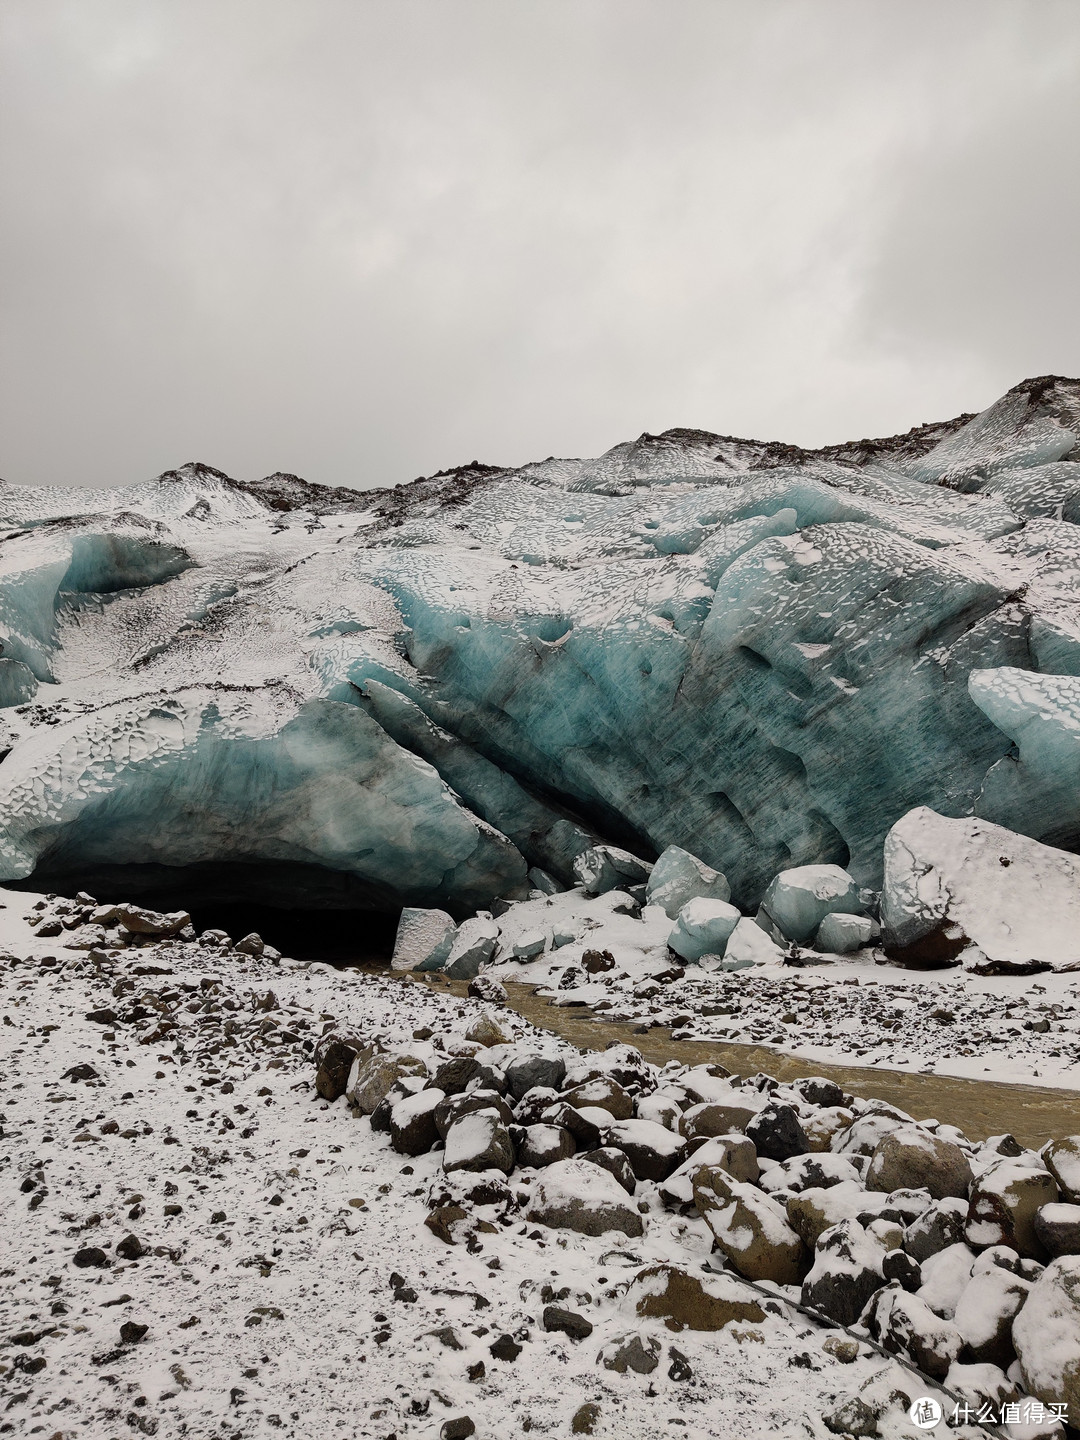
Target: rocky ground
199,1243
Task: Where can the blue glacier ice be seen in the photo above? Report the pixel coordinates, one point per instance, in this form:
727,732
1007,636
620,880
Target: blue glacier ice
761,655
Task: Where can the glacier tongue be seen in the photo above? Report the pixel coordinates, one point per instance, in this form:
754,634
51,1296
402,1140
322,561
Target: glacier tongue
761,655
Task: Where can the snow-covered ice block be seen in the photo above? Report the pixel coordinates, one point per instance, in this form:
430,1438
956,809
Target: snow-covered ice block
1016,898
423,939
703,928
841,934
749,945
473,946
798,900
679,876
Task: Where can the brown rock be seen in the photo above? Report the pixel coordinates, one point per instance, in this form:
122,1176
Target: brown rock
604,1093
750,1228
692,1302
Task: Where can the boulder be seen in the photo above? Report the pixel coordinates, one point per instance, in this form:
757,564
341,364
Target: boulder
530,1109
749,1227
138,921
712,1117
335,1056
810,1172
372,1079
624,1064
905,1325
577,1195
545,1144
1062,1159
473,946
252,944
678,877
567,1322
615,1163
423,939
1046,1334
479,1141
454,1075
528,1071
846,1272
686,1301
824,1127
811,1212
985,1312
1004,1203
912,1158
1057,1229
840,934
488,989
662,1106
631,1353
703,927
486,1030
602,1093
652,1150
455,1107
798,900
861,1137
939,1226
734,1154
750,945
605,867
945,1277
777,1133
412,1123
588,1124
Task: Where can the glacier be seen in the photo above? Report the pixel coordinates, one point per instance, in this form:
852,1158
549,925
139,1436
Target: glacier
412,697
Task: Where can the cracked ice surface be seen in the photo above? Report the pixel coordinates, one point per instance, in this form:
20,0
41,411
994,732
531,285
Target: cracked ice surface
764,655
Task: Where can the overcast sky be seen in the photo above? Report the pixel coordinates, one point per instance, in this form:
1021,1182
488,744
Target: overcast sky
363,240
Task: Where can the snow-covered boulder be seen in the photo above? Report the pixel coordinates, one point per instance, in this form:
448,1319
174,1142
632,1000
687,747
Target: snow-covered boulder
139,921
678,877
683,1300
912,1158
985,1312
473,946
846,1272
904,1324
1046,1334
652,1150
798,900
423,939
749,945
479,1141
749,1227
1057,1229
1003,1205
703,927
605,867
1062,1158
1019,900
574,1195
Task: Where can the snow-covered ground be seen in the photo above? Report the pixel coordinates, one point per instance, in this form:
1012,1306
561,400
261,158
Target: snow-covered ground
288,1283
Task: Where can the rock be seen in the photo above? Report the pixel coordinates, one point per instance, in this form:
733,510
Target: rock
487,1031
816,1090
545,882
678,877
845,1351
777,1133
981,1385
479,1141
662,1106
131,1332
444,1220
798,900
460,1428
529,945
904,1324
412,1123
615,1163
585,1418
712,1118
809,1172
90,1257
1057,1229
749,945
488,989
453,1107
939,1226
624,1064
693,1302
577,1195
1004,1203
985,1312
945,1277
861,1137
372,1079
473,946
568,1322
734,1154
532,1105
530,1071
1046,1334
824,1127
138,921
840,934
1062,1159
750,1228
596,962
812,1212
854,1418
131,1248
544,1144
423,939
334,1056
912,1158
604,1094
588,1125
605,867
453,1075
250,945
703,927
505,1348
846,1273
631,1353
653,1151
